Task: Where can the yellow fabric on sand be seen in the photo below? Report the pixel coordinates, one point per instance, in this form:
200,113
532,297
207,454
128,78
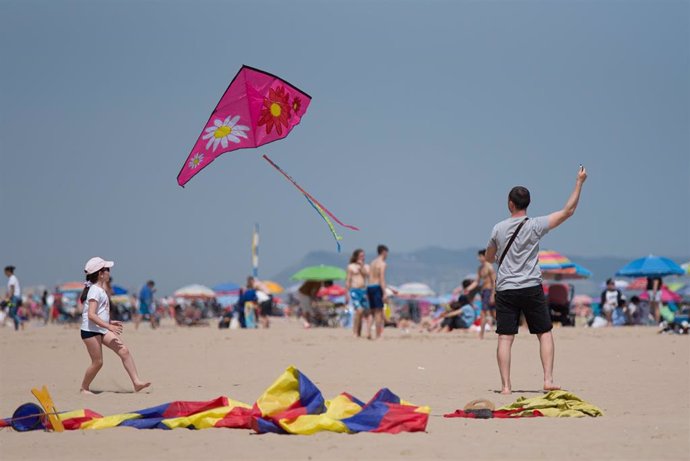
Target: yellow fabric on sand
555,404
281,395
339,408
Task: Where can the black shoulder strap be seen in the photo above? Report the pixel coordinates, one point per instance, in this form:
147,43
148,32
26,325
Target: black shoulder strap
510,242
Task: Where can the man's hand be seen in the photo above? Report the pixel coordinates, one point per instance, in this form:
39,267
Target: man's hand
581,174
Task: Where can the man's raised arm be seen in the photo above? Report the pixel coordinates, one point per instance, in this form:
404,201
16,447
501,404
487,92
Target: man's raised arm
557,218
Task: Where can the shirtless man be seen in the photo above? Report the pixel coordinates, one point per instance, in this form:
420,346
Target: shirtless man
355,291
486,280
376,291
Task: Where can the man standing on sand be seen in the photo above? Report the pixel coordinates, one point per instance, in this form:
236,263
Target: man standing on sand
376,291
486,279
518,278
355,291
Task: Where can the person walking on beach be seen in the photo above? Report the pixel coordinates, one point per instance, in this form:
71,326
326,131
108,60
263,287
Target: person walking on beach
13,296
97,329
518,278
654,285
355,291
147,309
376,290
486,280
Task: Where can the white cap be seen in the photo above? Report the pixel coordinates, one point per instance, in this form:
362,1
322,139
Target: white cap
96,264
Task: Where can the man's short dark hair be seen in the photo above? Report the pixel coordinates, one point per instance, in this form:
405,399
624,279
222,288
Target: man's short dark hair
151,283
10,269
466,283
381,248
482,252
519,195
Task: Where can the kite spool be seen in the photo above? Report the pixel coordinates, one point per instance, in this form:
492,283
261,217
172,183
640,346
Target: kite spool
28,417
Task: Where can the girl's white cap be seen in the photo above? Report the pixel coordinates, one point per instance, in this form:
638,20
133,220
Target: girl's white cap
96,264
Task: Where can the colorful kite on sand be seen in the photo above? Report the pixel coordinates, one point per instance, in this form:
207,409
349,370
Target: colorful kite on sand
291,405
256,109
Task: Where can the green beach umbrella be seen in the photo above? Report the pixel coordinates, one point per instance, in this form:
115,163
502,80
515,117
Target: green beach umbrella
320,273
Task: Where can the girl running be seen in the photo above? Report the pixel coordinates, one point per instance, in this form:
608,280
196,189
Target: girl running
97,329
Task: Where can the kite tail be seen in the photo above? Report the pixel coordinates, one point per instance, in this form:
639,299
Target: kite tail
318,209
309,196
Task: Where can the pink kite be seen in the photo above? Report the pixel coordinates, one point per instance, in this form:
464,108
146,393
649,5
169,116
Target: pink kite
257,108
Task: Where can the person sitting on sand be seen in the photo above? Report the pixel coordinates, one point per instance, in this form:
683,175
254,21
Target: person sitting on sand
97,329
460,317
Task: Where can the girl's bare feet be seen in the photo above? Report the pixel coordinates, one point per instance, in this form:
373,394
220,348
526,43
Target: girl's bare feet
549,386
86,392
506,391
138,387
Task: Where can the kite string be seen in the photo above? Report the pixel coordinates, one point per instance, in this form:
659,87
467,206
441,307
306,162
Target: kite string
328,221
309,196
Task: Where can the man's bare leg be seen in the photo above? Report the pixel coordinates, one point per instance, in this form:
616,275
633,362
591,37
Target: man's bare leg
482,321
546,351
357,323
505,343
378,322
368,317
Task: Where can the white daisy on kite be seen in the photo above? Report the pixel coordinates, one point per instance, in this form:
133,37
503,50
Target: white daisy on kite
196,160
223,131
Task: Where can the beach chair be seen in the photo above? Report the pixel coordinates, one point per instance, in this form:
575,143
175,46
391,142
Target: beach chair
558,301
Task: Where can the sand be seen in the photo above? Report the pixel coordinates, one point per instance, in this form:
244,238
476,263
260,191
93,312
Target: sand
640,379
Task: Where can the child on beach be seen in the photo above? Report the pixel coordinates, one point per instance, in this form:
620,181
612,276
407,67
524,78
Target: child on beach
97,329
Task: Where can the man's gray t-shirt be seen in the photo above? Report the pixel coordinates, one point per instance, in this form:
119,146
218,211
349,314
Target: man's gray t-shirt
520,268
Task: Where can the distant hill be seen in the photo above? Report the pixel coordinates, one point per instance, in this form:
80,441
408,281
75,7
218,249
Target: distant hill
443,269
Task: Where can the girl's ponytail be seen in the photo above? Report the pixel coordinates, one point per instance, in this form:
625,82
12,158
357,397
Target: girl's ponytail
90,280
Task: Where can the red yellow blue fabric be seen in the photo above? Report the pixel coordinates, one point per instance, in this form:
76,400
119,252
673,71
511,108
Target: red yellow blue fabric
291,405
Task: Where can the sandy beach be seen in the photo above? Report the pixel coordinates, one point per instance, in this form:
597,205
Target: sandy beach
638,378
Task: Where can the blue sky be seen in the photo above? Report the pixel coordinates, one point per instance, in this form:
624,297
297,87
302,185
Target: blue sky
424,115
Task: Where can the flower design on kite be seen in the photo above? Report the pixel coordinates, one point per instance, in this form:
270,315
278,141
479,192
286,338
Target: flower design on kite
223,131
296,105
275,111
196,160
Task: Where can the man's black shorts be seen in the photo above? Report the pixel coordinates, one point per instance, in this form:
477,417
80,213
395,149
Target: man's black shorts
531,302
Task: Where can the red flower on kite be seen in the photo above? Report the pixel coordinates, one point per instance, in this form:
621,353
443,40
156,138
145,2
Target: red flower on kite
296,105
275,111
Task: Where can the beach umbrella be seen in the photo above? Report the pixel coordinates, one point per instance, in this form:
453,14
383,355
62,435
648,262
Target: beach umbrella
331,291
227,287
550,260
649,267
71,287
227,300
320,273
667,295
415,289
194,291
574,272
119,291
273,287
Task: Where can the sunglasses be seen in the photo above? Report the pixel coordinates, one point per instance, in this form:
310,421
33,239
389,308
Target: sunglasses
107,269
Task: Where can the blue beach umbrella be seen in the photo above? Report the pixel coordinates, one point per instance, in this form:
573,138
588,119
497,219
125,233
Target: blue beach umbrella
118,290
650,266
227,287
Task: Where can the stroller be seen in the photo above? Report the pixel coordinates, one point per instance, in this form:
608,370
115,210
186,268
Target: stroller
558,301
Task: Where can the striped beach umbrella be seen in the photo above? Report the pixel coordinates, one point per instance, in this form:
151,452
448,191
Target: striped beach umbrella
549,260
